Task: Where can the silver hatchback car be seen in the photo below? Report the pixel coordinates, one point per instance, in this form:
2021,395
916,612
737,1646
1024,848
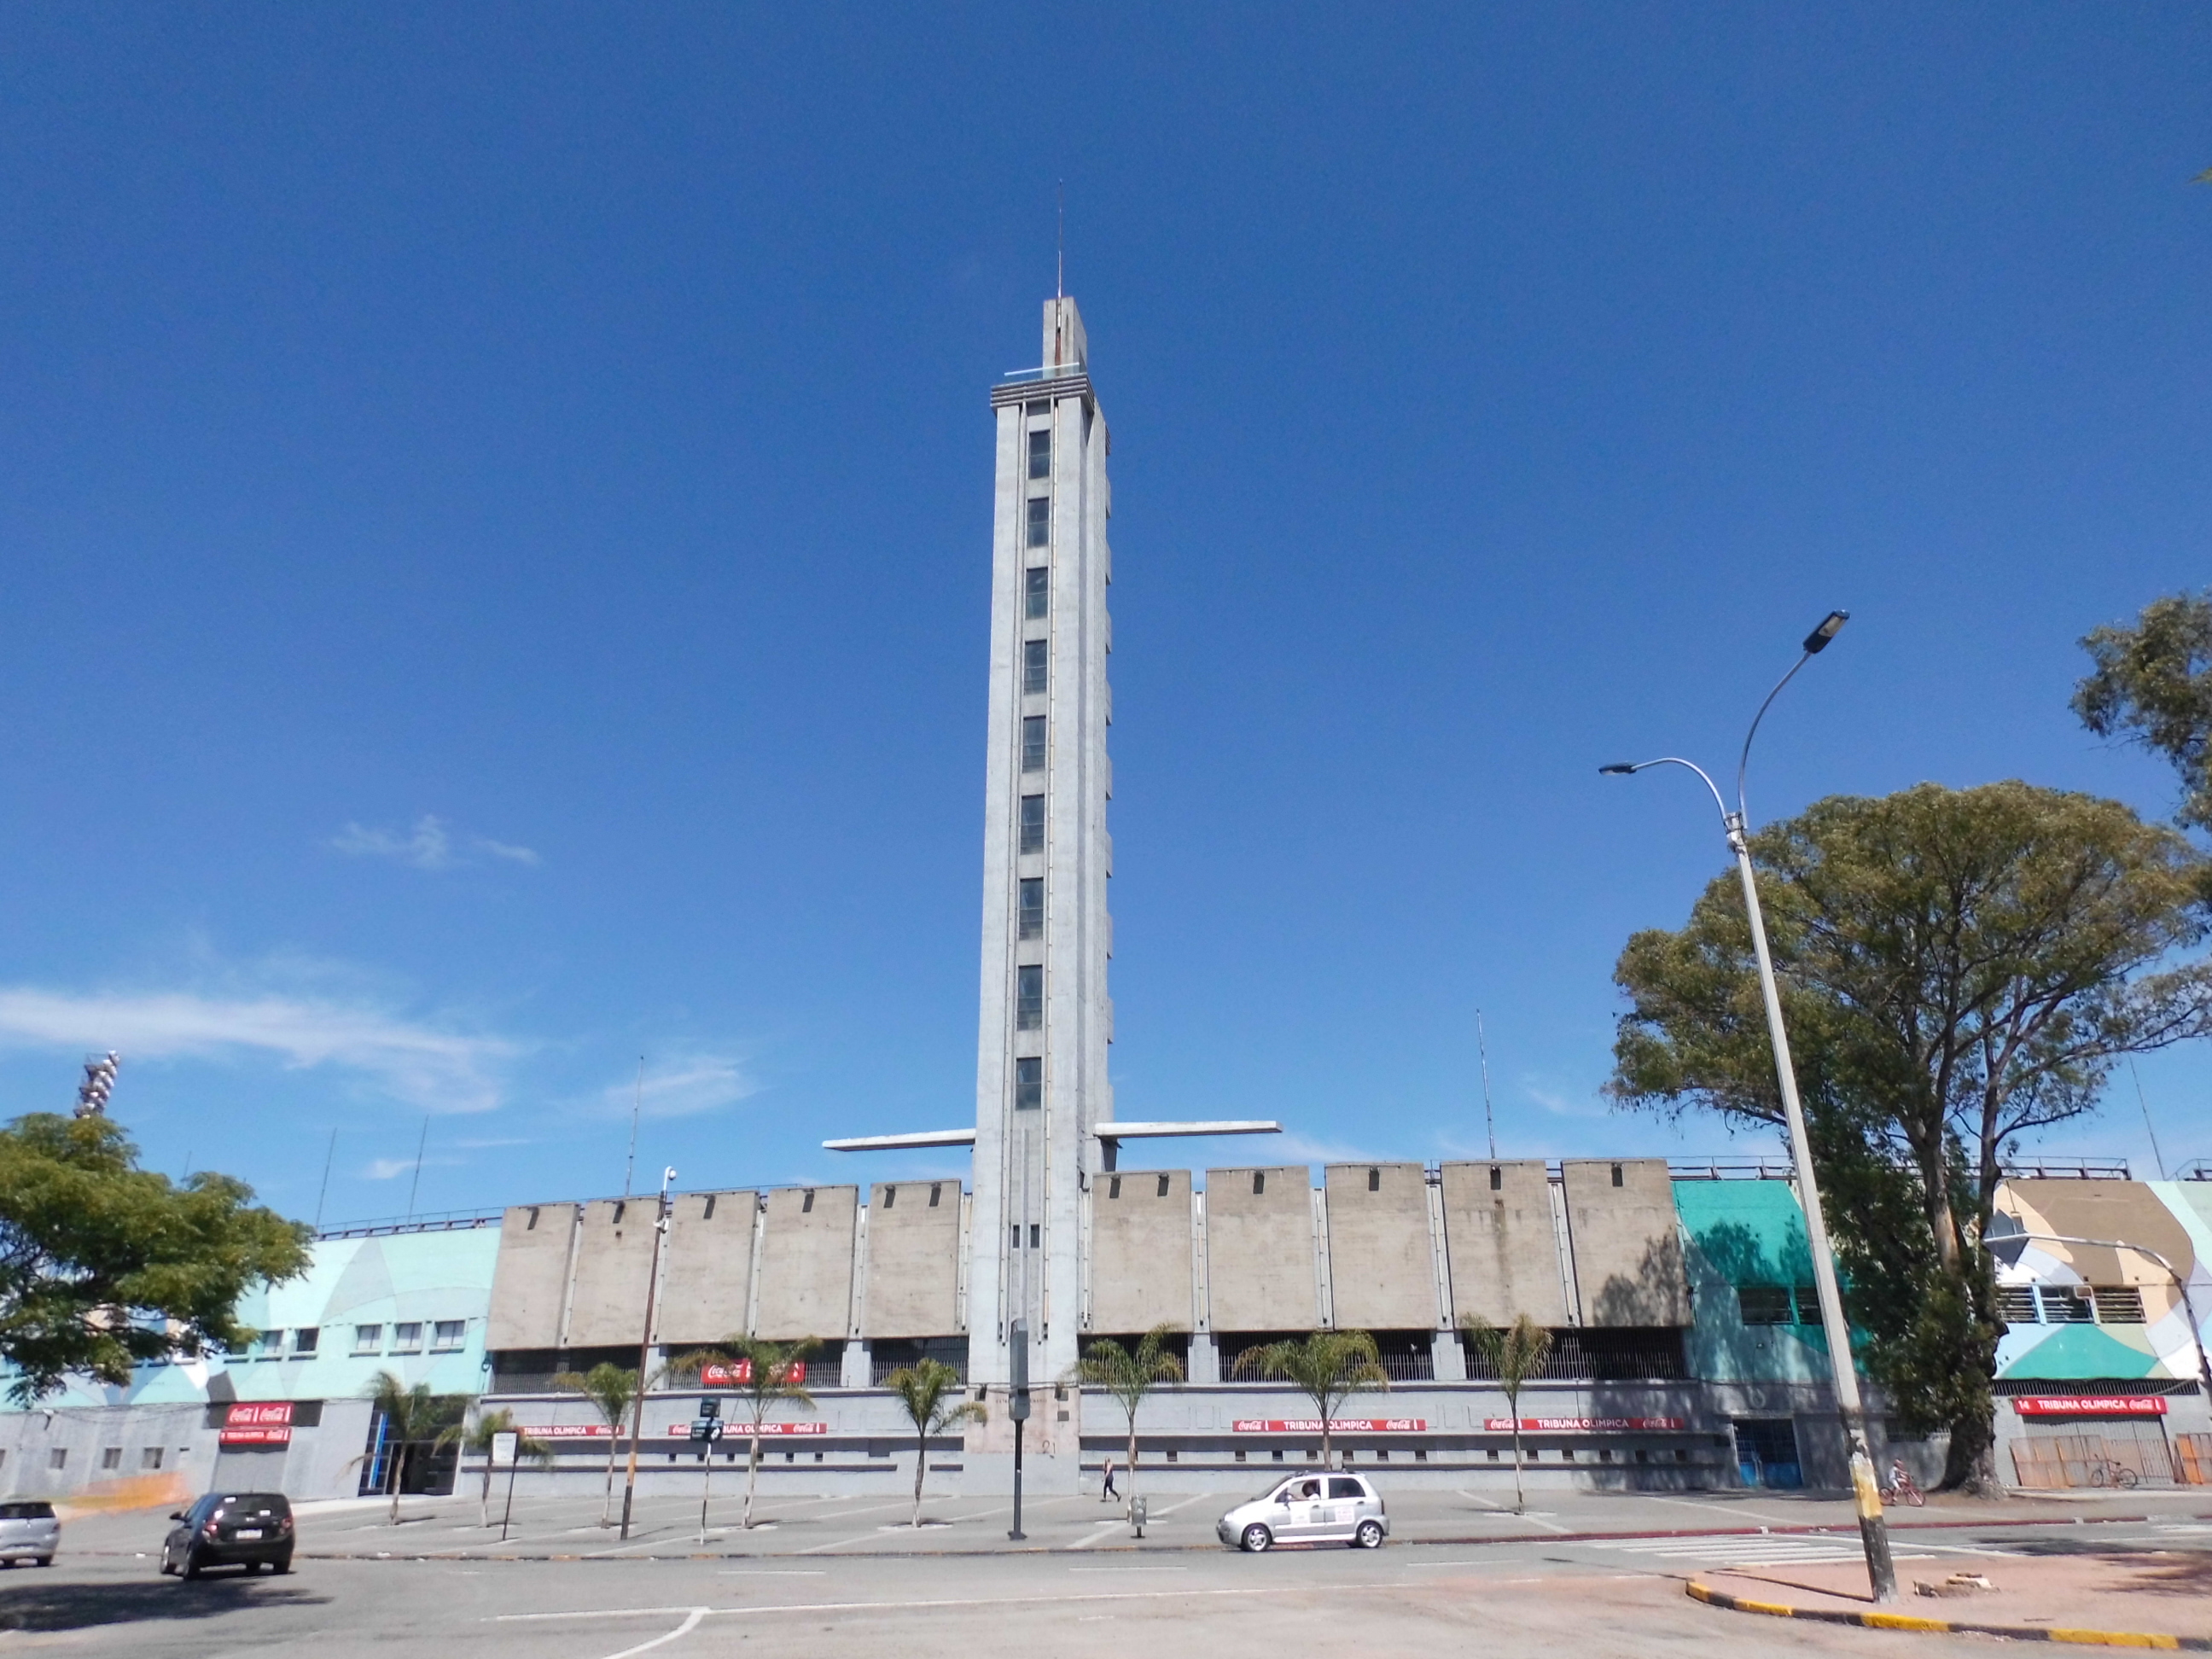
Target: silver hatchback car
1309,1509
28,1532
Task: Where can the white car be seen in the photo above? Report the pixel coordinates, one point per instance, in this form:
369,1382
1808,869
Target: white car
1309,1509
28,1532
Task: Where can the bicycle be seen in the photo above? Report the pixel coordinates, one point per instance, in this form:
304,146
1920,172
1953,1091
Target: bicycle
2103,1472
1902,1490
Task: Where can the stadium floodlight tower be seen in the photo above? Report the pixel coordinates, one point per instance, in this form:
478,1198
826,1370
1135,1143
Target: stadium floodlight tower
98,1082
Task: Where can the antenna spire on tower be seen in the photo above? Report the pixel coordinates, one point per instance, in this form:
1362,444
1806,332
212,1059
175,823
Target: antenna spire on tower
1060,261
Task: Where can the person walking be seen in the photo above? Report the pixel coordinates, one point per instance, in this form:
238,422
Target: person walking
1107,1494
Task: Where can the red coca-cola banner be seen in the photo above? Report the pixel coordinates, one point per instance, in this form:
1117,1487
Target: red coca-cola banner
740,1374
2090,1405
744,1430
257,1423
1336,1426
1583,1424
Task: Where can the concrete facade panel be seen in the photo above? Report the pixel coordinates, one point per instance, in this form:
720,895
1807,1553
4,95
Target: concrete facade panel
2125,1210
1140,1250
1501,1244
614,1255
1381,1277
529,1281
707,1276
914,1260
1259,1250
1627,1241
807,1263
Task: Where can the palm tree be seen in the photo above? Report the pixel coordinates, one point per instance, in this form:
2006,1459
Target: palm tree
930,1390
767,1372
1515,1355
1328,1367
410,1417
479,1438
1129,1377
611,1388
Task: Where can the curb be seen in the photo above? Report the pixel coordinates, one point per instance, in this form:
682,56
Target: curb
2093,1639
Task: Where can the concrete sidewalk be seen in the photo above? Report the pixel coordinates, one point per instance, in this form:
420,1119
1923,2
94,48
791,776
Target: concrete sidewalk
667,1524
2069,1589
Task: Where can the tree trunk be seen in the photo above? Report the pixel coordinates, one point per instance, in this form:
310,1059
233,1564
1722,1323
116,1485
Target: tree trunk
1132,1503
607,1503
920,1458
1520,1498
752,1480
398,1470
483,1498
1971,1464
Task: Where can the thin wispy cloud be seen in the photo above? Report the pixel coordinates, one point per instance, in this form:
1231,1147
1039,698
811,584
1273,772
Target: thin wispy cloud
388,1169
429,845
1560,1104
430,1067
682,1088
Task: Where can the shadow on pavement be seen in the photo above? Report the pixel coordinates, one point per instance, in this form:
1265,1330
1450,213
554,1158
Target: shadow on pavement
66,1606
2156,1572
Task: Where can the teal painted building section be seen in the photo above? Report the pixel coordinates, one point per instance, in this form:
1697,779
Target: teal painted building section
1749,1234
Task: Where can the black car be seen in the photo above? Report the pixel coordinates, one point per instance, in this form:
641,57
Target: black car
246,1529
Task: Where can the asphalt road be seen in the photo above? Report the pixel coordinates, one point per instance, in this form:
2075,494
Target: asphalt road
1528,1596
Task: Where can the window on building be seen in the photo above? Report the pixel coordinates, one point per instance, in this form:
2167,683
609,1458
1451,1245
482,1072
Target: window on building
1764,1304
1033,824
1037,592
57,1458
1808,1305
1037,1236
2016,1304
150,1458
1032,742
1029,1085
448,1334
2119,1304
110,1457
368,1339
269,1345
1028,998
306,1339
2061,1307
1033,664
1032,913
407,1338
1041,453
1040,521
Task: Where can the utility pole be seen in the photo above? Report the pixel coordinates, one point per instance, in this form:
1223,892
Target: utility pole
645,1345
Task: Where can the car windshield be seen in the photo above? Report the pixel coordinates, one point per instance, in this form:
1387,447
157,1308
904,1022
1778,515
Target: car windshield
1288,1490
26,1511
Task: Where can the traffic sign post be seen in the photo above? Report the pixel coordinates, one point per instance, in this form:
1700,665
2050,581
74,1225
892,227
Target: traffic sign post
1017,1407
706,1429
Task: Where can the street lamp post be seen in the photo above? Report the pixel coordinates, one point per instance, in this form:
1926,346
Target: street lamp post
644,1346
1873,1531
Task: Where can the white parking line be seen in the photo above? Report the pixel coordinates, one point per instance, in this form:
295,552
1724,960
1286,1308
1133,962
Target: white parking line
1099,1534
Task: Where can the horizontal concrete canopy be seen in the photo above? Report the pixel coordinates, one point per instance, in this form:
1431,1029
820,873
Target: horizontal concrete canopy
1227,1126
895,1143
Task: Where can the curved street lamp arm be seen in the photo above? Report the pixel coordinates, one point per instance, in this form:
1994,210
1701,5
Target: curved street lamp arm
1727,821
1743,762
2180,1284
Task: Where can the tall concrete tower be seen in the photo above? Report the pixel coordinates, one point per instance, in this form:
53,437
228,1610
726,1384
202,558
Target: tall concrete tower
1040,1087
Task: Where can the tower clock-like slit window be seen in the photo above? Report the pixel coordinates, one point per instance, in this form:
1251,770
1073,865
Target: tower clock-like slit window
1029,1085
1032,742
1033,824
1032,913
1040,521
1041,453
1036,590
1033,664
1028,998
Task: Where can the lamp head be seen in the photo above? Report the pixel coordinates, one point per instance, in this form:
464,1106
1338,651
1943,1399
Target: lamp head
1618,768
1831,625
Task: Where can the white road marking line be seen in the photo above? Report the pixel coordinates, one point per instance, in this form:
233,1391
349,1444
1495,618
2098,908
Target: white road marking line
1709,1507
1060,1599
1153,1514
1477,1498
836,1544
770,1572
1128,1569
690,1624
1100,1533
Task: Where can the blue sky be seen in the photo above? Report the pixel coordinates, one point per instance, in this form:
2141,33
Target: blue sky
493,503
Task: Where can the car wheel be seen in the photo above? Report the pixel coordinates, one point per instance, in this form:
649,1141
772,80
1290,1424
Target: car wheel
1257,1538
1370,1536
281,1563
45,1560
192,1563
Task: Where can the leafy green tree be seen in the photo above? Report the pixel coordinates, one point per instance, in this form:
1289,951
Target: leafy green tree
770,1373
105,1265
929,1391
1959,968
611,1388
1129,1375
1514,1356
2152,686
477,1438
412,1421
1328,1367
